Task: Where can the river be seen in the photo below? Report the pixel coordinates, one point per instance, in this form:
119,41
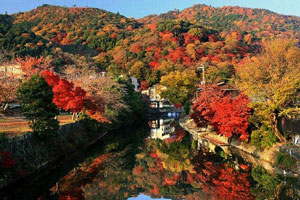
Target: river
155,161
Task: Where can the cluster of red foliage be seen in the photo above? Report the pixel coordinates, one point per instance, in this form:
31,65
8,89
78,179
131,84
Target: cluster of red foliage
177,54
66,96
6,160
138,170
144,85
136,48
97,162
188,38
229,116
74,99
179,135
154,64
171,180
155,191
232,116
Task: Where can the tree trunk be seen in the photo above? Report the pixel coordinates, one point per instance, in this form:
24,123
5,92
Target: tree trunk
5,107
75,115
274,120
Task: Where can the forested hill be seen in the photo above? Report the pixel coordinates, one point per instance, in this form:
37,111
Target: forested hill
157,49
77,25
97,28
100,30
228,18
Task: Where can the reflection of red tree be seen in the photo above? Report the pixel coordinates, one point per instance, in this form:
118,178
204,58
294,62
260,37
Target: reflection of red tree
220,181
179,135
154,191
71,185
171,180
6,160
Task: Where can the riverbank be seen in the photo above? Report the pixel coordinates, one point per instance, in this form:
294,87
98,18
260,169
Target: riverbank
33,155
36,157
50,177
24,155
208,138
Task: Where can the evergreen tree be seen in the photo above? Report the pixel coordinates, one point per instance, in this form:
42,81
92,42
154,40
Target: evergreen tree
36,97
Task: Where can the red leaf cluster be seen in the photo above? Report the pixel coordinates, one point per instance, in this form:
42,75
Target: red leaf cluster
74,99
136,48
154,64
188,38
232,115
178,53
229,116
66,96
155,190
144,85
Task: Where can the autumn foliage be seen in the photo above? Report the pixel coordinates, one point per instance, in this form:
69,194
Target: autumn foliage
66,96
31,65
220,181
70,98
229,116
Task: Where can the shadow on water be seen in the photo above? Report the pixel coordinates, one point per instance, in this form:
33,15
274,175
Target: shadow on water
48,178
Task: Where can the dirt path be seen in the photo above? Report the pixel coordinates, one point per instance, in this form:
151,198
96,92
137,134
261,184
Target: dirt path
17,125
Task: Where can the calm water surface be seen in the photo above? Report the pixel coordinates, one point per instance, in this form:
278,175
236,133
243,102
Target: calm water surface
160,162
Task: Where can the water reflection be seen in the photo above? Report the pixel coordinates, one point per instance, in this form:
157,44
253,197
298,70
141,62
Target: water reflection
166,165
162,128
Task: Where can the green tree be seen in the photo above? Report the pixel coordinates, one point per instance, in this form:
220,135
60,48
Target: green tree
36,97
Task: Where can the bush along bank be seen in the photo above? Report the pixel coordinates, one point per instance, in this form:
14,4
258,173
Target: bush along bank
24,155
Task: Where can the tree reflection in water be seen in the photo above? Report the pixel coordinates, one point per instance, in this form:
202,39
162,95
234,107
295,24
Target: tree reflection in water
168,168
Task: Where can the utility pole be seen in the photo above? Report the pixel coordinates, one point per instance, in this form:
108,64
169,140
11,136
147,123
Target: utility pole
203,74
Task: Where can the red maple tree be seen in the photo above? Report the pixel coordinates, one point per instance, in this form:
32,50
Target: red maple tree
74,99
66,96
229,116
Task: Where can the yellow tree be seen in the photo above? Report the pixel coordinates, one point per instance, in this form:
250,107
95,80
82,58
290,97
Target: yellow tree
179,85
272,80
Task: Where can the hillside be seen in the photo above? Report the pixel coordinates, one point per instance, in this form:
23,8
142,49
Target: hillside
90,27
157,49
233,18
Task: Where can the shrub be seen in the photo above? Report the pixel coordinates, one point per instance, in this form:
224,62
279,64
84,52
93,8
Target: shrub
266,183
263,137
285,161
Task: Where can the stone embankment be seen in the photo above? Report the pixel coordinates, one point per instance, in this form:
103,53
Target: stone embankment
208,138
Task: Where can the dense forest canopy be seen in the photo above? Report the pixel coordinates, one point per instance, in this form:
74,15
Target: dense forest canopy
148,48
